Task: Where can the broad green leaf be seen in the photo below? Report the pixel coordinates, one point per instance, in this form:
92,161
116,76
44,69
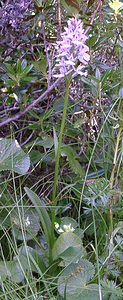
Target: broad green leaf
30,258
12,157
73,282
27,224
80,122
85,292
42,212
3,271
105,76
70,242
11,269
36,156
15,271
72,255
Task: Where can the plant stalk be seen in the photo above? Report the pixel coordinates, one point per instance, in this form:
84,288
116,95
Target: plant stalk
111,187
54,197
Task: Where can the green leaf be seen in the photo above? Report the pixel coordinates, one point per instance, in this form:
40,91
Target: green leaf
105,76
10,68
74,279
4,219
42,212
26,70
110,289
46,142
13,77
55,141
35,156
28,223
23,64
41,65
72,159
98,74
7,203
58,105
85,293
11,269
12,157
30,257
70,242
91,41
71,6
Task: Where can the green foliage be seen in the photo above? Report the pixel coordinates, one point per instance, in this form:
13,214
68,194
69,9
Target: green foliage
110,289
72,159
73,282
69,247
30,224
61,146
12,157
42,212
11,269
18,73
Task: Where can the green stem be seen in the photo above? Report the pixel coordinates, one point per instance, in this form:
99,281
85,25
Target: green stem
96,253
112,183
115,158
54,198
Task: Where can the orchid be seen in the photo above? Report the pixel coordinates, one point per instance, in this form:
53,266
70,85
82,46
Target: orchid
71,51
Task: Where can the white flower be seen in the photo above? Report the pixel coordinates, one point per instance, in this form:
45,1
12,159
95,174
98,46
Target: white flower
68,228
27,222
64,228
116,6
56,225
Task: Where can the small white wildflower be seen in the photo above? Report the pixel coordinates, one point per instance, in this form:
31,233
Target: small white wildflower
27,222
17,144
56,225
68,228
65,228
116,6
60,230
